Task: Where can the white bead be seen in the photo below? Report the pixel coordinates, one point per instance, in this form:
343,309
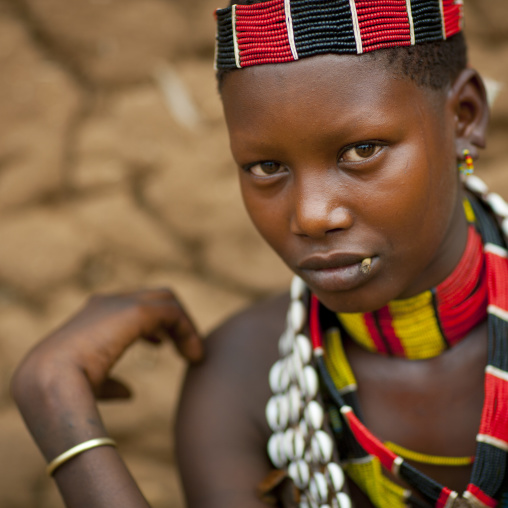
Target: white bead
277,412
304,428
498,204
505,227
322,447
275,449
279,377
295,404
318,488
309,382
298,288
300,473
475,184
343,500
314,415
325,506
304,348
294,444
297,315
335,476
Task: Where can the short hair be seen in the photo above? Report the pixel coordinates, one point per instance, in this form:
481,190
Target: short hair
433,65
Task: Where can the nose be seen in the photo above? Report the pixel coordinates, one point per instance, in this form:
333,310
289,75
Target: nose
319,207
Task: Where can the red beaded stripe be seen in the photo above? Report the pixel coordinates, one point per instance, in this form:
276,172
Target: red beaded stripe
390,19
497,280
455,296
379,343
495,409
452,17
444,497
370,443
481,496
262,34
385,320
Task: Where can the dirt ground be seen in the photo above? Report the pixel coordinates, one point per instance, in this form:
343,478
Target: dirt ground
115,174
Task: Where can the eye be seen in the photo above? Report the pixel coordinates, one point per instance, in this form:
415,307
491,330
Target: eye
265,168
359,153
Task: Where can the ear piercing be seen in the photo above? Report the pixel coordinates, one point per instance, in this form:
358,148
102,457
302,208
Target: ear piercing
366,266
466,167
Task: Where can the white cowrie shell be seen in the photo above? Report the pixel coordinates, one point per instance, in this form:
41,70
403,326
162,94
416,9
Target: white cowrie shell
294,444
309,382
295,404
322,447
300,473
325,506
304,348
498,204
475,184
318,488
298,288
304,502
335,476
275,449
505,227
314,415
343,500
304,428
297,315
277,412
279,377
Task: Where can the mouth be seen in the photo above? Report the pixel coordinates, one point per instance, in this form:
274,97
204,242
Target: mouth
338,271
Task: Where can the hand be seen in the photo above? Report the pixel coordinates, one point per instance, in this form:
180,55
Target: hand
95,338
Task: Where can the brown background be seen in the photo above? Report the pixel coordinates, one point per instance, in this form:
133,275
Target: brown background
115,174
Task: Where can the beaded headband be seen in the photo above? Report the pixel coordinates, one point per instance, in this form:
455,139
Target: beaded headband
279,31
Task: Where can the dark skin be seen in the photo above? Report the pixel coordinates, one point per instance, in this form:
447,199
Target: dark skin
364,165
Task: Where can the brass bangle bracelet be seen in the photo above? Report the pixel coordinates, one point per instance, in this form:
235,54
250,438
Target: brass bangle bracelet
76,450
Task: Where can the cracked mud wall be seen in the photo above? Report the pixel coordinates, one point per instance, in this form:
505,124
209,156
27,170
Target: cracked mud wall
115,174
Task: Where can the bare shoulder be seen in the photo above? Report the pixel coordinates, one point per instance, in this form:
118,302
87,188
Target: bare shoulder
221,430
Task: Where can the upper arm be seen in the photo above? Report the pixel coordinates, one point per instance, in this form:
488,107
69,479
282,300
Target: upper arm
221,430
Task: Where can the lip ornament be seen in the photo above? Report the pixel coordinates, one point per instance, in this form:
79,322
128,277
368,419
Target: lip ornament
366,266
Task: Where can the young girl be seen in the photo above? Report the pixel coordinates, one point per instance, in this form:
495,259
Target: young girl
353,124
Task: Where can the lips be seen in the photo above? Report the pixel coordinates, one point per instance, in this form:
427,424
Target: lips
336,271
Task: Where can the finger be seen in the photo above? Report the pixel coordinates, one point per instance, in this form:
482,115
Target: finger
176,323
113,389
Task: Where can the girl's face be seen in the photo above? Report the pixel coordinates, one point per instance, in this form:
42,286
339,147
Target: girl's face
340,159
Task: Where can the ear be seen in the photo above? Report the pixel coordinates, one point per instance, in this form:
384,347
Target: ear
468,100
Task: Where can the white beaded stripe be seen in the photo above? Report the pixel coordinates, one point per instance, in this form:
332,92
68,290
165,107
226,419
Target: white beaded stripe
396,465
451,499
356,27
235,37
289,26
496,249
497,311
443,28
411,22
348,389
498,443
501,374
474,500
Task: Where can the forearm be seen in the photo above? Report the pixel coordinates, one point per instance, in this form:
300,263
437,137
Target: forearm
60,411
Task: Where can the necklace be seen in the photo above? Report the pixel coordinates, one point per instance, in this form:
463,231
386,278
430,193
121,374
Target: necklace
425,325
302,444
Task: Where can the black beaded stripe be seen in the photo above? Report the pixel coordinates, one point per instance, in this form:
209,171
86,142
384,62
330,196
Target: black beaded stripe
322,26
225,56
427,20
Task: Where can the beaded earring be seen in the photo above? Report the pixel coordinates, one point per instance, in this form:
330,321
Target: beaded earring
466,167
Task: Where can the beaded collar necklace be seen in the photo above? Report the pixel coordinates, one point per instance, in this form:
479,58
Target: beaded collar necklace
424,326
280,31
302,443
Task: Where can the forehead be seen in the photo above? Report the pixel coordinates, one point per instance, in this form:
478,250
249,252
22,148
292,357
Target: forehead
320,87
